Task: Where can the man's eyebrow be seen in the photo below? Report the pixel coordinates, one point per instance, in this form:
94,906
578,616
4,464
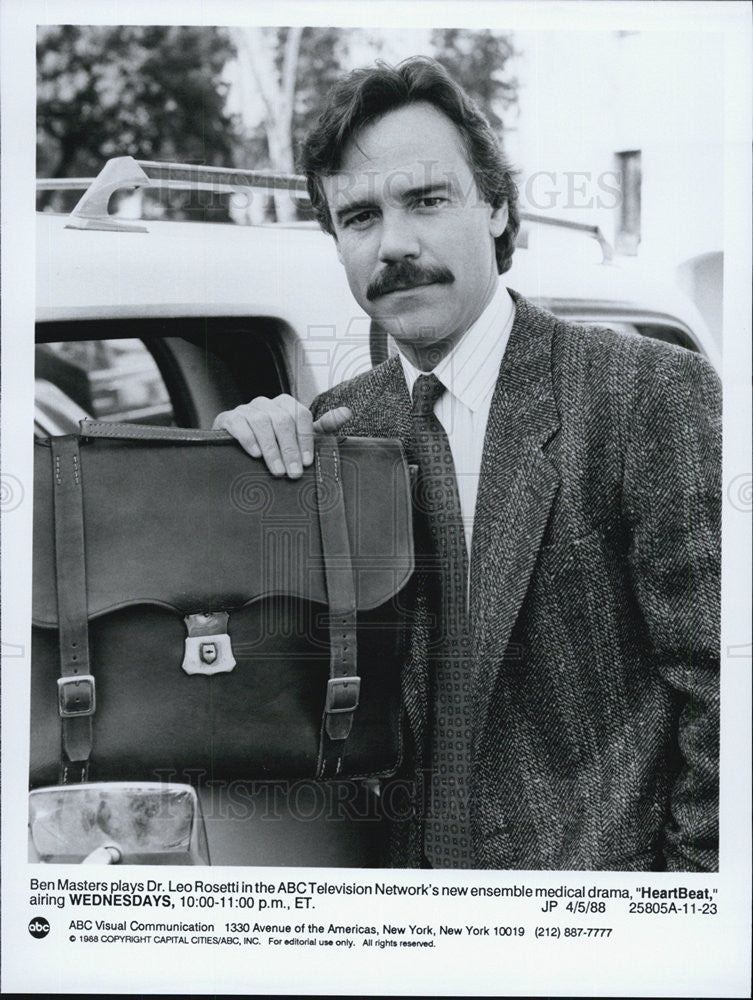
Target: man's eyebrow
427,190
410,194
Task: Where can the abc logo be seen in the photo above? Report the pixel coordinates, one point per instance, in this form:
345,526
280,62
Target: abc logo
39,927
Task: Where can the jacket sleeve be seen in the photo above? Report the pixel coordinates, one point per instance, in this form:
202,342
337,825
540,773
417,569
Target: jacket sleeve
327,400
319,406
672,504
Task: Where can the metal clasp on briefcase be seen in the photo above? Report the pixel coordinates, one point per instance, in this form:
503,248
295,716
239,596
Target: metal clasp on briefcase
76,696
342,694
208,648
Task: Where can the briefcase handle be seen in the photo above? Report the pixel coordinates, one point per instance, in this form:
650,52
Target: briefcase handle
148,432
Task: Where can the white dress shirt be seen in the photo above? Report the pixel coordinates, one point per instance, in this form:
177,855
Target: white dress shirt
469,374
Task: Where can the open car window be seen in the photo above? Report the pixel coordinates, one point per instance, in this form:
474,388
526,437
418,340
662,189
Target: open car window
106,379
174,372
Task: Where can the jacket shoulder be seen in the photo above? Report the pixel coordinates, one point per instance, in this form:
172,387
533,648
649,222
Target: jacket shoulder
584,351
622,367
610,385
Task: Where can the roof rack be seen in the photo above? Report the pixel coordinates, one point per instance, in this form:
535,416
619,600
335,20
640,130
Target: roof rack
91,212
607,250
64,183
121,172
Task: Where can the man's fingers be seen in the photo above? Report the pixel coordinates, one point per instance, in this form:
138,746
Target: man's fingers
283,426
296,439
234,423
280,431
267,441
332,420
304,426
269,429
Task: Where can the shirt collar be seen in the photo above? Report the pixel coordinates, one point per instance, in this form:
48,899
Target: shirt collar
470,369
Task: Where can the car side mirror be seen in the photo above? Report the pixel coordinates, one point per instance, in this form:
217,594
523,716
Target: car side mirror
118,823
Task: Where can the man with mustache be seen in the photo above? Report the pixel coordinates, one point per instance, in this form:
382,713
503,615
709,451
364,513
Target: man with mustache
561,692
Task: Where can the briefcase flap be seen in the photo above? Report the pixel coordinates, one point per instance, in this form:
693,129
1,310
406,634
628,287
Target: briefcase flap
249,535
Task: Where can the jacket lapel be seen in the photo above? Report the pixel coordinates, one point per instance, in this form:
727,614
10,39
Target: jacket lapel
382,407
516,490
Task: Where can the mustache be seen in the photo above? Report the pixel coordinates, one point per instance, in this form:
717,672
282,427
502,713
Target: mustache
405,274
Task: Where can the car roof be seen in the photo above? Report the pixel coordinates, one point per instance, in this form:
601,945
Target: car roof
177,269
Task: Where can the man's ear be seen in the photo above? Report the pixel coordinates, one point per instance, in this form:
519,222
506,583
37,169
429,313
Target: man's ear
498,220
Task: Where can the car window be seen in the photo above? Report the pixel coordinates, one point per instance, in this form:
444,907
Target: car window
109,379
171,372
54,412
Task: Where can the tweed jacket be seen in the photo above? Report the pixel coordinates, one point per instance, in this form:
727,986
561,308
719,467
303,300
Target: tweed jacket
594,596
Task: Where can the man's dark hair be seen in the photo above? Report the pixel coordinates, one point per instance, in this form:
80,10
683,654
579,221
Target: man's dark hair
364,95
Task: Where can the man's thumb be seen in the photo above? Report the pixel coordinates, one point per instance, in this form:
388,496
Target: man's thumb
332,420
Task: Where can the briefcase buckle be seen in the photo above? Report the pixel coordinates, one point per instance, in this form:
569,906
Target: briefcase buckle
208,648
342,694
76,696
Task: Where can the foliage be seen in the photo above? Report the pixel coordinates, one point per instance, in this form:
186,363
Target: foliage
159,92
291,70
324,53
478,60
151,92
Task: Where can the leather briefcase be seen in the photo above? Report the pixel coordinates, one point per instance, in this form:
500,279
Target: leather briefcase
194,615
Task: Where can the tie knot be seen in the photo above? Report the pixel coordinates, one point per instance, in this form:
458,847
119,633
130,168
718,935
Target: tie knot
426,391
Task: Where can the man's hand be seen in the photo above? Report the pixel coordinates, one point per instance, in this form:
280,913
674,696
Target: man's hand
279,430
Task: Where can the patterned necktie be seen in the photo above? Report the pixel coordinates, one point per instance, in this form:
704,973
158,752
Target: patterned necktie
447,840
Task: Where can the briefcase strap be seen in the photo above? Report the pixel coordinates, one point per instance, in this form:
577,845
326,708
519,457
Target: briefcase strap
76,696
344,683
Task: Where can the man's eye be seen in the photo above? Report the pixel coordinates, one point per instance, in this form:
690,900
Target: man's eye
432,201
360,219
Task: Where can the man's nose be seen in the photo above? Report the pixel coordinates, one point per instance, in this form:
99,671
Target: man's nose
398,237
